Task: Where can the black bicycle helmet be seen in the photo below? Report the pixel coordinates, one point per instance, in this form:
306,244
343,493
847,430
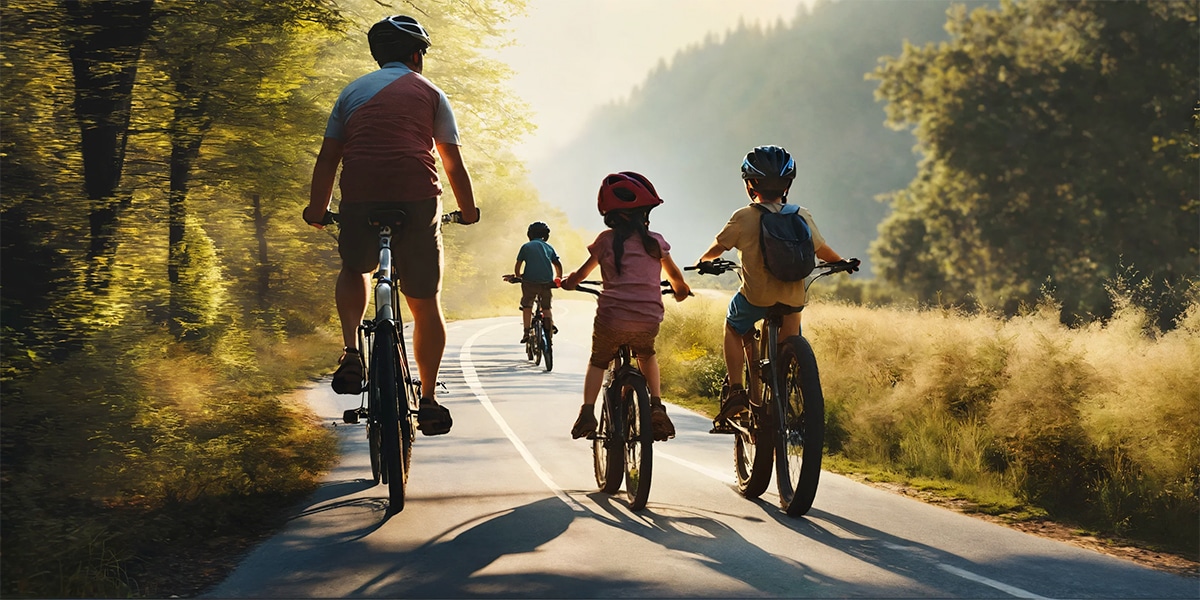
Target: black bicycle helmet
395,38
538,230
769,162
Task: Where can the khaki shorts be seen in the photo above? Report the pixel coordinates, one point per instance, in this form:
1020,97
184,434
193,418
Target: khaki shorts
606,342
541,291
416,245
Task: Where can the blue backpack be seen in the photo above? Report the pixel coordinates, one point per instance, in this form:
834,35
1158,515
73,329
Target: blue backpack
787,243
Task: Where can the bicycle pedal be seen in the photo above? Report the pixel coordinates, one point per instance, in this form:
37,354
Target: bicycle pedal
722,429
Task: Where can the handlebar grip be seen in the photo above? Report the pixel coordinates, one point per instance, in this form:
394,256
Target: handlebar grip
329,219
456,217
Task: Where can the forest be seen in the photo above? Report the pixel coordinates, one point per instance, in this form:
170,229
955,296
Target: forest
978,158
160,294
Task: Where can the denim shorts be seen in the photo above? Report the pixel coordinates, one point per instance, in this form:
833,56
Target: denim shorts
742,315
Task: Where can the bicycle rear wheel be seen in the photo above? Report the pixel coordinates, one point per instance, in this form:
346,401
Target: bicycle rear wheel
547,349
536,338
801,427
639,441
386,385
753,443
607,447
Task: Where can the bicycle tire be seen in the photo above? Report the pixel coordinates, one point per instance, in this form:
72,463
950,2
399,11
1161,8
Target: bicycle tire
639,441
385,384
373,448
536,338
801,427
607,461
548,350
408,410
753,452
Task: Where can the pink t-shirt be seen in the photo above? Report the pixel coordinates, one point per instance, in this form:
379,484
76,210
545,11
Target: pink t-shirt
631,301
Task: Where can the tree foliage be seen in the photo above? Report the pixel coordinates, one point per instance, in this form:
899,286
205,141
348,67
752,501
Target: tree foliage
1059,149
161,357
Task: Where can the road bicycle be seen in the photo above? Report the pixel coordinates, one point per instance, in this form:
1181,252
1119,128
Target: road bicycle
539,344
784,430
391,394
623,445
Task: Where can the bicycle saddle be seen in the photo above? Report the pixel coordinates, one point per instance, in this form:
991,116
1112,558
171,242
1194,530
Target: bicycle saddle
779,310
391,217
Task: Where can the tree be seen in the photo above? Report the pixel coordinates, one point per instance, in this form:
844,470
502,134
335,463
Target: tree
1059,148
104,42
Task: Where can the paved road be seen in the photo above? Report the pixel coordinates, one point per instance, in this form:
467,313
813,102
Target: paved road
506,506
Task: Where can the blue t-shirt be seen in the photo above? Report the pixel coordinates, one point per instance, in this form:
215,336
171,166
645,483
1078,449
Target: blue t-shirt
539,258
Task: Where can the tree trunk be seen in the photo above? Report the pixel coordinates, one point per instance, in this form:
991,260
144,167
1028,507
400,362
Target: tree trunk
104,44
263,266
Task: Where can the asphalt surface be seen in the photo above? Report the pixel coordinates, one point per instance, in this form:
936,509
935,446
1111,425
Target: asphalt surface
506,506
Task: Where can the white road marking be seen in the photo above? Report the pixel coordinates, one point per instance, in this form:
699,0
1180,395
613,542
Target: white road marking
472,379
703,470
992,583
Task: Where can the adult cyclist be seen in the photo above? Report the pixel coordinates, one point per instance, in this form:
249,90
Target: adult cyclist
383,130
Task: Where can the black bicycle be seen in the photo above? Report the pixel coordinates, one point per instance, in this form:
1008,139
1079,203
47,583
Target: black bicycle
623,445
539,344
784,430
391,394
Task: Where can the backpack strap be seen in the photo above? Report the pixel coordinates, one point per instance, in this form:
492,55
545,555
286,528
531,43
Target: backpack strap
787,209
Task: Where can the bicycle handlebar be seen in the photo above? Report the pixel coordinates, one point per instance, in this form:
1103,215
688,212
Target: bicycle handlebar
666,285
332,218
721,265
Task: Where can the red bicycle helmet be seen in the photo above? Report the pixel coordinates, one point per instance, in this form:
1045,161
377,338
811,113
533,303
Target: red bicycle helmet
626,190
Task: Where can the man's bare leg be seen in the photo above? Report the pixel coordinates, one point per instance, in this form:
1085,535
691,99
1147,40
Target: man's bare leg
351,296
429,340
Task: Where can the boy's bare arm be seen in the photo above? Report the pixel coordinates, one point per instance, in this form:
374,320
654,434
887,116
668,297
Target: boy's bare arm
557,268
714,252
517,268
827,254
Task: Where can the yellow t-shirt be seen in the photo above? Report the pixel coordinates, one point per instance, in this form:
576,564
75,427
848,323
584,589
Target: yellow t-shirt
758,286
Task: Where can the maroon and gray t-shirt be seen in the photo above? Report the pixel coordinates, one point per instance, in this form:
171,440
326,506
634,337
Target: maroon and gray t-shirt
388,122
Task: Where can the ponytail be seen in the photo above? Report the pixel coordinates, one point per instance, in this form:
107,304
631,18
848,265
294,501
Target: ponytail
625,223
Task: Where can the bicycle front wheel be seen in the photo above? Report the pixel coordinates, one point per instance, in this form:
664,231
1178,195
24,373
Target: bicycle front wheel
607,447
801,427
388,391
639,441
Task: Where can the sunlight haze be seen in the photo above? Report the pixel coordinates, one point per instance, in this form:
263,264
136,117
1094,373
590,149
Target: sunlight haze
571,56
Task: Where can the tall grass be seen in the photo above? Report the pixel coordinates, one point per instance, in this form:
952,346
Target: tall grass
1099,424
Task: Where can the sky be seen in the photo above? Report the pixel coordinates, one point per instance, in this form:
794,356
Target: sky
572,56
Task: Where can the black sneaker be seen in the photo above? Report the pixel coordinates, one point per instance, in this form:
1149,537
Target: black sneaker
348,378
525,338
433,418
737,402
663,428
585,425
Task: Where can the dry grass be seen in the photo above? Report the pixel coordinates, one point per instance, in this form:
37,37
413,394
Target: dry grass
1098,423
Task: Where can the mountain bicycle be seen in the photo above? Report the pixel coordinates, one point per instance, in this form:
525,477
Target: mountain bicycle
784,430
390,396
538,343
623,445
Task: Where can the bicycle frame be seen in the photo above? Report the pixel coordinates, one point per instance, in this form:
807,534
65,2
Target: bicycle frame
784,427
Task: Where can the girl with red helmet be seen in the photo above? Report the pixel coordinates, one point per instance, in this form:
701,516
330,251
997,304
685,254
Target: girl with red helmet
632,260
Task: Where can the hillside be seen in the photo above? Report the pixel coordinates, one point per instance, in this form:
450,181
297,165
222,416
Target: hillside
800,85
